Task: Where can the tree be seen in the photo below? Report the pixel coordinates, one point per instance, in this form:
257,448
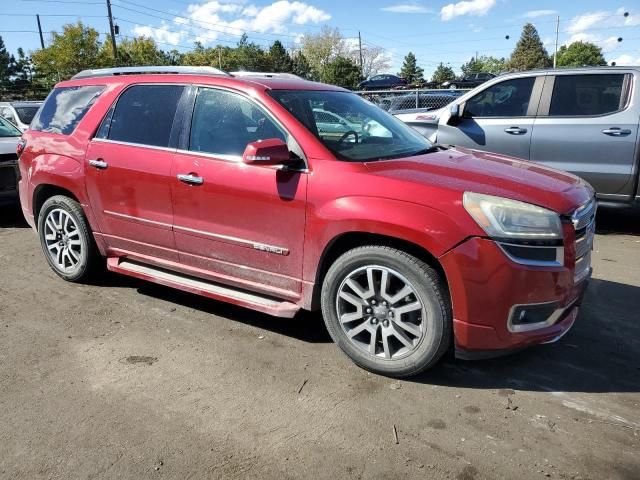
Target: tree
529,52
341,71
485,64
580,54
443,73
137,52
249,56
301,67
76,48
280,58
374,60
321,48
5,65
410,70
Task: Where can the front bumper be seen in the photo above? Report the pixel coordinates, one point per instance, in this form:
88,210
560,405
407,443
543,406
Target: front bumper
9,175
485,285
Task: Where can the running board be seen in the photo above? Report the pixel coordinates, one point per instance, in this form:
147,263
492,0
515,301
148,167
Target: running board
243,298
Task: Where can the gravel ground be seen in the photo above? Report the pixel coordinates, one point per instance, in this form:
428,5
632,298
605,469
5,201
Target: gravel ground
131,380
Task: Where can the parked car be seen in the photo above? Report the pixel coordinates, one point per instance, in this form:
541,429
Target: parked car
382,82
329,123
468,81
9,138
19,113
407,247
582,120
424,100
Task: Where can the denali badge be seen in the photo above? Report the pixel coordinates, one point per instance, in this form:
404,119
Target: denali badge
271,249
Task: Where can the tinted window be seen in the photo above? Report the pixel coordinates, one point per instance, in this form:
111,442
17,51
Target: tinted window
64,108
26,113
578,95
144,115
8,130
505,99
224,123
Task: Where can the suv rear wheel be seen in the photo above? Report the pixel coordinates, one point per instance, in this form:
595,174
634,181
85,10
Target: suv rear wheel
66,239
387,310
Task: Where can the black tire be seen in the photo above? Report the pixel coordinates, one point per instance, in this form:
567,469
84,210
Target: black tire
428,288
88,257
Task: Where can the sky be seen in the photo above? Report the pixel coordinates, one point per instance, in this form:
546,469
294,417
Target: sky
447,31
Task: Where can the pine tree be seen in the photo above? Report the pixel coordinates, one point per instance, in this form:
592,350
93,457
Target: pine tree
443,74
410,70
301,67
280,59
5,64
529,52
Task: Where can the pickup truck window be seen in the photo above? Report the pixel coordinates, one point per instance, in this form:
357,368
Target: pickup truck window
505,99
586,95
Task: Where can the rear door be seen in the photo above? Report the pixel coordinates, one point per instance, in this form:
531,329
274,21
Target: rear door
128,171
497,119
586,125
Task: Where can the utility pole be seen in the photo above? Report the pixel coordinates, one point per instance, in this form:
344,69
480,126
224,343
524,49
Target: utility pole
360,48
220,58
555,53
40,30
113,34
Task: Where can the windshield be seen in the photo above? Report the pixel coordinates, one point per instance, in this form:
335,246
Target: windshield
8,130
352,128
26,114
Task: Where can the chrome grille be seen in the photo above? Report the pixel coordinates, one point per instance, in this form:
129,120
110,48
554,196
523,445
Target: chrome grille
584,223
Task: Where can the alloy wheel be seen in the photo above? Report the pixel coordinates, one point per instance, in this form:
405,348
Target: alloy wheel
63,240
380,312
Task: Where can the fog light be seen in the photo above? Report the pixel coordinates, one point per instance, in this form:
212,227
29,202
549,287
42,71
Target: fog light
530,317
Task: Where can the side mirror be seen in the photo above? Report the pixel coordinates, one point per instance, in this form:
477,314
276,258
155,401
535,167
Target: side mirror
455,114
271,151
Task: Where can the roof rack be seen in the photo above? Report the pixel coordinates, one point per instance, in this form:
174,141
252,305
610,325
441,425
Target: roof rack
107,72
290,76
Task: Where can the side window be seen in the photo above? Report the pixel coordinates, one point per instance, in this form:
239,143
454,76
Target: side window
225,123
144,115
64,108
506,99
585,95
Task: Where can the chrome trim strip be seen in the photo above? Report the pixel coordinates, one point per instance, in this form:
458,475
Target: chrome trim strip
214,156
137,219
236,241
128,144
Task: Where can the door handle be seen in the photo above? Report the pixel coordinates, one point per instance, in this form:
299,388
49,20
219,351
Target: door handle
515,130
99,164
190,178
616,131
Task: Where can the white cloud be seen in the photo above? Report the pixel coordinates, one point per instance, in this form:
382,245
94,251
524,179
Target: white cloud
626,60
539,13
406,8
581,28
159,34
209,21
476,8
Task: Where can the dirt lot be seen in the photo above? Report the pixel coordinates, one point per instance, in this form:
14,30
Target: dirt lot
131,380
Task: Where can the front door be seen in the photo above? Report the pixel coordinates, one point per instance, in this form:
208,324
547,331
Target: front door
497,119
243,224
587,126
128,171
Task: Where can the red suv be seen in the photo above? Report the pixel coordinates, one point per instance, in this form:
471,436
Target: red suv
237,189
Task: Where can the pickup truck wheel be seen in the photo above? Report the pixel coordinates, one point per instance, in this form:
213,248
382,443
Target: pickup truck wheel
387,310
66,239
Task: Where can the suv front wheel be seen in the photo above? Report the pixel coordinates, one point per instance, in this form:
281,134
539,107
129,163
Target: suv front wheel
387,310
66,239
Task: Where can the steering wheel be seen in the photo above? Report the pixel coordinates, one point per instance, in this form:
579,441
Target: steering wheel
347,134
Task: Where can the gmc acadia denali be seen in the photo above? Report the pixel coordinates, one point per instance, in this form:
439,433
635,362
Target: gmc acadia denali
226,187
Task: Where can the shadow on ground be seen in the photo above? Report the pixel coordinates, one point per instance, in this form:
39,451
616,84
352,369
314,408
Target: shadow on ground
618,220
11,217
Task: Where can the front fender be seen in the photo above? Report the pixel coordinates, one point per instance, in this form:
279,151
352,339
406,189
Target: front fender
431,229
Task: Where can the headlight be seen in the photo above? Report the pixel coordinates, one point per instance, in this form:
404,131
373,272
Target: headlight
503,218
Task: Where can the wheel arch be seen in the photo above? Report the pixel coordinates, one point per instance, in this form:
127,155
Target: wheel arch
346,241
43,192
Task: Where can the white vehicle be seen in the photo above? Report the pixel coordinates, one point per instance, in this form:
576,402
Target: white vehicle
19,113
330,122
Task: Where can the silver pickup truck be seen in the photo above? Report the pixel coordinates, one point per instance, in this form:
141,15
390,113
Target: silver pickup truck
582,120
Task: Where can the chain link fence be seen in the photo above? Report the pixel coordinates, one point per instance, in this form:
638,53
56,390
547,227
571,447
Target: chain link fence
399,100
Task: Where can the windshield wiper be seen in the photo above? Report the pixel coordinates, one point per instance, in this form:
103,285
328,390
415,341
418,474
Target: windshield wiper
432,149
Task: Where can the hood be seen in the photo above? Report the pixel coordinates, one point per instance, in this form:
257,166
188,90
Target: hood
459,170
